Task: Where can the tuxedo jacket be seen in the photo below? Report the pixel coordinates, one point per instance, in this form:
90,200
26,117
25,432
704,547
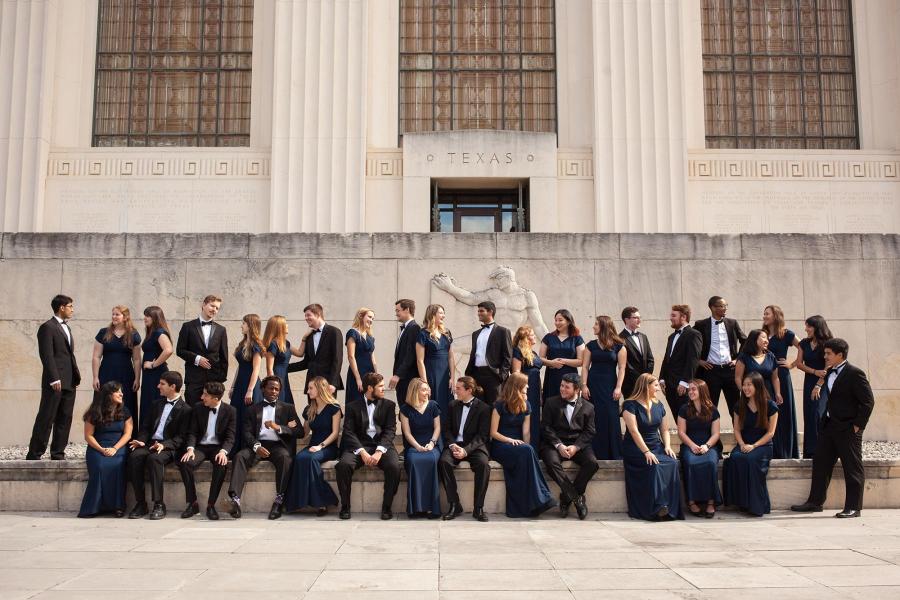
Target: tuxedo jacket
356,423
57,355
636,363
405,352
226,425
190,346
850,401
682,364
326,360
176,427
284,414
477,430
498,353
736,337
555,428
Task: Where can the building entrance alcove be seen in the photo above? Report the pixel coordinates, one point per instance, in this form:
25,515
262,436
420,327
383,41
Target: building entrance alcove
479,205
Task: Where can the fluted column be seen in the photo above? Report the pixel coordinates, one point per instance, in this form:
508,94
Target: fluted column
319,116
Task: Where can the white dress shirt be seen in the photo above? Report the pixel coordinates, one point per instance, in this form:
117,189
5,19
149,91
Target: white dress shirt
637,340
370,430
462,420
65,328
481,346
719,352
160,433
675,340
834,374
210,438
268,414
206,332
570,410
317,336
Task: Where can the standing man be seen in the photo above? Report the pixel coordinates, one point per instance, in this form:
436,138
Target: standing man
722,337
405,351
639,356
324,349
491,355
849,406
682,353
203,346
59,378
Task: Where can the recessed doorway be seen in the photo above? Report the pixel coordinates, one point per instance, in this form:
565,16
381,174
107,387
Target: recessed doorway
458,209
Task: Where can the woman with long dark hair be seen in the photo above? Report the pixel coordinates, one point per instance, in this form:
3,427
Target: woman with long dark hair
811,360
117,356
245,390
603,371
561,350
780,341
157,348
698,428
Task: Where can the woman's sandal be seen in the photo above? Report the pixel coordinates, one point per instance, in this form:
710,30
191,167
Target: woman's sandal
694,509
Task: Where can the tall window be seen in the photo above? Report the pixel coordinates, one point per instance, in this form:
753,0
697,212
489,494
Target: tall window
173,73
477,64
779,74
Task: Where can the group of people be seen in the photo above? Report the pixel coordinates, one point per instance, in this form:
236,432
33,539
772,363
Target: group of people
499,410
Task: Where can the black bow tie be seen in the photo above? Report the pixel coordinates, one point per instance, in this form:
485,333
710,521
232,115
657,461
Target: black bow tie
171,402
402,326
486,325
272,403
371,402
205,323
572,403
467,404
214,410
720,322
317,331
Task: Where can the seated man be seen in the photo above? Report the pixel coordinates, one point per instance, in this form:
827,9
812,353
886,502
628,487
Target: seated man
269,436
158,443
368,439
210,437
567,431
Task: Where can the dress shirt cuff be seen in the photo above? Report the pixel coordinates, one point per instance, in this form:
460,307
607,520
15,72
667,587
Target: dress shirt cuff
197,360
558,445
59,381
256,446
191,448
357,451
381,449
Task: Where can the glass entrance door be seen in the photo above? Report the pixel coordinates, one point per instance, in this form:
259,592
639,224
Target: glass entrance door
479,211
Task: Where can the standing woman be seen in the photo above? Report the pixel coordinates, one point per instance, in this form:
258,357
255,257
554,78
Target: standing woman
527,494
698,428
245,390
603,368
652,485
278,354
117,356
420,422
561,351
780,340
756,358
157,349
811,360
435,358
525,361
360,353
322,418
107,429
746,468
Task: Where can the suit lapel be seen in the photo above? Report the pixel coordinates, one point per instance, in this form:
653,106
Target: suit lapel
365,415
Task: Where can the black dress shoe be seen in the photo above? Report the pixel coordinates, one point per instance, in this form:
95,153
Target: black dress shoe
453,511
564,506
386,514
581,507
191,510
118,513
139,510
478,515
806,507
235,510
159,512
58,457
275,512
345,513
323,510
211,513
848,514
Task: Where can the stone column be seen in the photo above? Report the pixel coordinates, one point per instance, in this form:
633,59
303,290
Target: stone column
319,116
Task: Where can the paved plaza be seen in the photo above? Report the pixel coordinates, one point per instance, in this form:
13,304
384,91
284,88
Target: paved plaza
57,556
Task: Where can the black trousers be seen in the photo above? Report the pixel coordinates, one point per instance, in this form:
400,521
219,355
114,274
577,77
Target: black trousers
721,380
675,401
141,460
201,453
489,381
54,412
834,444
587,466
192,392
280,456
389,465
402,388
478,462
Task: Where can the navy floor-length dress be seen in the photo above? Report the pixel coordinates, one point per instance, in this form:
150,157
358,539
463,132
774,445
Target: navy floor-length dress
279,368
241,384
745,474
700,471
117,365
527,494
423,494
437,369
567,348
105,489
365,348
602,378
649,488
308,486
814,358
784,444
533,372
150,377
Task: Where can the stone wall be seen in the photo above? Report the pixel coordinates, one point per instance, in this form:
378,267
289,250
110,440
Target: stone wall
852,280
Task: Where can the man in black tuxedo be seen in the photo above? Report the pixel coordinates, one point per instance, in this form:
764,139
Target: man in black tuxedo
203,346
722,339
59,378
491,355
567,432
847,411
368,439
210,436
466,432
159,443
269,430
405,351
637,347
682,353
324,349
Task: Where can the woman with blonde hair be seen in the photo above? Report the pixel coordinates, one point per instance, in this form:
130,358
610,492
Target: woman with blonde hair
781,339
278,354
245,390
117,357
434,356
420,422
527,494
526,361
603,371
360,352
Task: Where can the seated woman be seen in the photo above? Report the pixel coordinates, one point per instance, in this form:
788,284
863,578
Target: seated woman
652,485
746,468
107,429
323,425
698,428
527,494
420,422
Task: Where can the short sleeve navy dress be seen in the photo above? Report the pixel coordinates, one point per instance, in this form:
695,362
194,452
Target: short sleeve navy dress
700,471
365,348
784,444
241,385
814,358
744,475
423,495
308,486
105,491
150,377
533,372
279,368
437,368
117,365
602,377
556,348
527,494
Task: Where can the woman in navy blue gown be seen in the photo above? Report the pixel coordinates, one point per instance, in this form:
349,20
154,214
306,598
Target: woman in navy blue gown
157,349
435,359
698,428
107,429
746,467
360,353
420,422
245,390
652,484
322,423
278,354
527,362
755,357
603,368
780,340
527,494
117,356
811,360
561,351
